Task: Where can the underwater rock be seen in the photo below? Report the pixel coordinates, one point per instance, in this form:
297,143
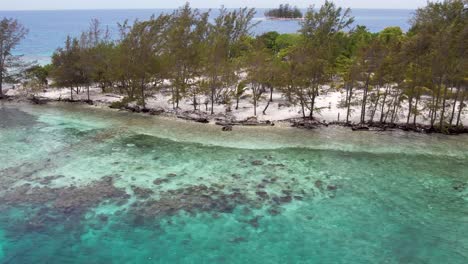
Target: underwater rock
274,211
198,198
262,194
171,175
160,181
299,198
68,200
142,193
285,199
459,186
103,218
257,162
238,240
254,221
332,187
318,184
47,180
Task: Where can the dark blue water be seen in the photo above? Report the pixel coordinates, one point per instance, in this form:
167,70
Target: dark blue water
48,29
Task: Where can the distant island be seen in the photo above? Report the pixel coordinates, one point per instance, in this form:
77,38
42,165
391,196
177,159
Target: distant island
284,11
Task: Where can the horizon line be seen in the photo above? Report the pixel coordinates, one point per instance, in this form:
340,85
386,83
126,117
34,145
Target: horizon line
173,8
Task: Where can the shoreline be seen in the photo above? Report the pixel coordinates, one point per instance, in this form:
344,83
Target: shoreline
227,122
278,113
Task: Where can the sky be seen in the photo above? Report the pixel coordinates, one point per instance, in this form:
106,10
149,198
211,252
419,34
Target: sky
137,4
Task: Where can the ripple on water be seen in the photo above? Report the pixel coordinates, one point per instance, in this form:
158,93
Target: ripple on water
122,188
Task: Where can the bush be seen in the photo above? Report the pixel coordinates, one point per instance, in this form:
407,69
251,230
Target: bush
120,104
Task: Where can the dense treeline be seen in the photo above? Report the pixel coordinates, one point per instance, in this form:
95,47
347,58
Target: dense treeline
422,73
284,11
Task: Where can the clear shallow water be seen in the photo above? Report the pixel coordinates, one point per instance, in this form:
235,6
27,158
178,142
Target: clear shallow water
48,29
153,190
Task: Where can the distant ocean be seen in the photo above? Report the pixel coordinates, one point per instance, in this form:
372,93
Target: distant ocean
48,29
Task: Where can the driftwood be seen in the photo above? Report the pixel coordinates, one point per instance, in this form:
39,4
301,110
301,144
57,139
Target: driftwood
244,123
307,123
39,100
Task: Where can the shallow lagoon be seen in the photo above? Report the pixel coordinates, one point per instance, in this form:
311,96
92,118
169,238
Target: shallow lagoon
86,185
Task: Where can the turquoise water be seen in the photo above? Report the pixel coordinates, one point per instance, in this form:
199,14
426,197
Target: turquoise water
86,185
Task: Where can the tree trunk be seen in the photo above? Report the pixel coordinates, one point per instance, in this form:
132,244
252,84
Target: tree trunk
271,94
415,110
173,97
142,87
388,110
71,93
212,100
454,105
312,105
364,100
1,83
410,108
442,114
254,91
269,101
348,111
395,109
460,109
194,102
382,114
177,98
436,106
87,92
374,110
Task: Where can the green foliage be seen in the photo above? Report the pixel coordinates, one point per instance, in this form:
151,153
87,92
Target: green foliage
284,11
121,104
12,32
191,56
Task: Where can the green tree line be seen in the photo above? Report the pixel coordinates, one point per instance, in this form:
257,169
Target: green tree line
421,73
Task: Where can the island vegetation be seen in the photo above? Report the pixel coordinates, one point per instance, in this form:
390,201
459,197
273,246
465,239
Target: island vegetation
421,73
284,11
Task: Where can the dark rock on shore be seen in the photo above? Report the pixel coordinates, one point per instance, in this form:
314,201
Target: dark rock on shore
307,123
227,128
193,117
360,128
39,100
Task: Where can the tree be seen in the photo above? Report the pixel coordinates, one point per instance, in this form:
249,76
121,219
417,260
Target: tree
228,30
144,46
65,65
320,30
11,34
185,38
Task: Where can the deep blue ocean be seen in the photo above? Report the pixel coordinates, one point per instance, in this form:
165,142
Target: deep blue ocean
48,29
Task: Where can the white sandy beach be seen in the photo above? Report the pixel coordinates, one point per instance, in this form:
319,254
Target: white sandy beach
279,109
